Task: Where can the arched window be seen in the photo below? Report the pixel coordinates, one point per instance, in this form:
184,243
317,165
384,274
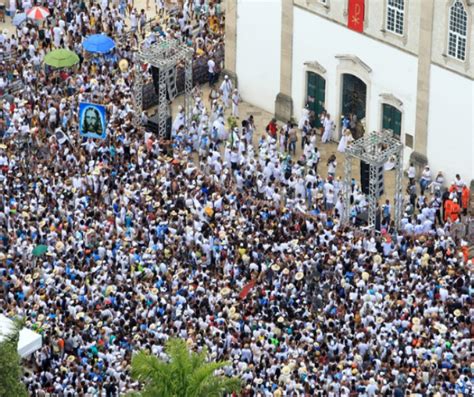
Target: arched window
457,33
395,16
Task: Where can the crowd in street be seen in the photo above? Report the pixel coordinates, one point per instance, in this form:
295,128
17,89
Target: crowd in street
222,236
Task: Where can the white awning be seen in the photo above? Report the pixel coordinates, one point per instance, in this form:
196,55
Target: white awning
29,341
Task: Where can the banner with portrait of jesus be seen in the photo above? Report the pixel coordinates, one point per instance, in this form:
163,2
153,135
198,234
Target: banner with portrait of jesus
92,120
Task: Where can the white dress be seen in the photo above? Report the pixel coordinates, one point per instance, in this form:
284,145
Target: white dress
328,126
178,121
345,140
226,88
304,117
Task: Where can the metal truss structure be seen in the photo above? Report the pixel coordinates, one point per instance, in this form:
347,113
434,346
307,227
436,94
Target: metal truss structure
375,148
165,55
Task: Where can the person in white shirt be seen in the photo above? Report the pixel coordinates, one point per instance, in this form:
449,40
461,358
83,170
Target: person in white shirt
226,89
57,32
332,164
328,125
159,7
12,7
425,179
26,4
133,21
459,183
235,103
411,173
119,26
211,69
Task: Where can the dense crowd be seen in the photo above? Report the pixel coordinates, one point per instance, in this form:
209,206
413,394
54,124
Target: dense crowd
220,236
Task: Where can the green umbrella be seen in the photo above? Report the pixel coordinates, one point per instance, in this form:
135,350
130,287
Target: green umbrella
61,58
40,250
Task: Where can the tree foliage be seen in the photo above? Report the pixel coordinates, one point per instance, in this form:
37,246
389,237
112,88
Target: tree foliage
185,374
10,368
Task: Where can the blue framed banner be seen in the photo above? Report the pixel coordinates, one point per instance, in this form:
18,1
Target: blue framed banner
92,121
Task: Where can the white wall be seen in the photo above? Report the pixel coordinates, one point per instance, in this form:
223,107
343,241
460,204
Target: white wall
393,71
451,124
258,51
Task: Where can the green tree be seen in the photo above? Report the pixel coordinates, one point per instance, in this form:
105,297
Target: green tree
185,374
10,368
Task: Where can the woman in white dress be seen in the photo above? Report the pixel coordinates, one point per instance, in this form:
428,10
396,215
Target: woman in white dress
346,139
179,119
328,126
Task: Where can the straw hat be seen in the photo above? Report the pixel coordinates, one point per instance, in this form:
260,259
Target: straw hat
286,370
441,327
276,267
225,291
365,276
415,320
457,312
299,276
59,246
123,65
377,259
235,316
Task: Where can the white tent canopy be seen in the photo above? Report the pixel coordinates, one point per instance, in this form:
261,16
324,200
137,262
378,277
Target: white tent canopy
29,341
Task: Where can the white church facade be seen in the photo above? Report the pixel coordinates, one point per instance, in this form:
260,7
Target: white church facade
409,69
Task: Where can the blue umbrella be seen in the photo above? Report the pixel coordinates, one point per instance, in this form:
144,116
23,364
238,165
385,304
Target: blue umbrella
18,19
98,43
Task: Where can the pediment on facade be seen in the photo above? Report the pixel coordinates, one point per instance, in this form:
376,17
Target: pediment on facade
316,66
355,60
391,99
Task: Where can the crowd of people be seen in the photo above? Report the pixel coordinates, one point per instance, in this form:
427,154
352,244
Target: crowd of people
221,236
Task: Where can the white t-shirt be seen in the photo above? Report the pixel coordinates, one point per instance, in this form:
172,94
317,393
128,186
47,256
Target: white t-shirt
211,65
133,20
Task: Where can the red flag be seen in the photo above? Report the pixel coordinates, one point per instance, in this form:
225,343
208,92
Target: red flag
355,20
247,287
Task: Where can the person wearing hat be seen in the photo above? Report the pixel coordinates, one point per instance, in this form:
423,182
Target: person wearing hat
145,242
425,179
